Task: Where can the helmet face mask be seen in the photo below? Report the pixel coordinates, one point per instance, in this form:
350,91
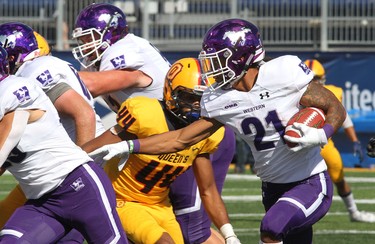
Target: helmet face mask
97,27
90,49
20,43
183,90
229,49
188,104
215,66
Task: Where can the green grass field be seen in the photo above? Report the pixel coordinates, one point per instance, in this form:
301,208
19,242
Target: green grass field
242,195
243,199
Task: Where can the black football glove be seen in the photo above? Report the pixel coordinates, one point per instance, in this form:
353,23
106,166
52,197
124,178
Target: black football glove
371,147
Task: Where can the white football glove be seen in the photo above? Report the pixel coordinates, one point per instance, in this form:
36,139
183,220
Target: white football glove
106,152
310,137
228,233
232,240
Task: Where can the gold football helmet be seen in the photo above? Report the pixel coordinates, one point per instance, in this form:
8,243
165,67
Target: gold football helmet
183,89
318,70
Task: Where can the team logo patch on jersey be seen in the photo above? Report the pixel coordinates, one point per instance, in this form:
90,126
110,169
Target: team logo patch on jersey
118,62
77,185
22,94
304,67
45,78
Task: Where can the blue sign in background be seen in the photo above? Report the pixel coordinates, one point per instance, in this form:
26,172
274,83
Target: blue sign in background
351,71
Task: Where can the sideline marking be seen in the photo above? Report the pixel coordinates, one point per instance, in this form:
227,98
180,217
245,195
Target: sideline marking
256,198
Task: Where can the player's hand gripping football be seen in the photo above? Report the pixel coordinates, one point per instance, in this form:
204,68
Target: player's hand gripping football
310,137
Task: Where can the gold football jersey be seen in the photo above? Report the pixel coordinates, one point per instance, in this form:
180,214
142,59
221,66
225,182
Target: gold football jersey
146,178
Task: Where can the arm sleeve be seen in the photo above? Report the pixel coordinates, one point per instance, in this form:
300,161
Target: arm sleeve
18,127
57,91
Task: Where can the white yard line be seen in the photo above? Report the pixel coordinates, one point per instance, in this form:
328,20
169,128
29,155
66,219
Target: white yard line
258,198
255,178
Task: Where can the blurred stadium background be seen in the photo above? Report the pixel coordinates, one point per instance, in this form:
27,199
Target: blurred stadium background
339,33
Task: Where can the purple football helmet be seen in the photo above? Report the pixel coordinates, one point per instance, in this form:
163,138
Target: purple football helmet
97,27
229,48
4,64
20,43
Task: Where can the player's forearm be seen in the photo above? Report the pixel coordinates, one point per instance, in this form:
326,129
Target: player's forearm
177,140
157,144
320,97
106,138
215,209
351,134
85,128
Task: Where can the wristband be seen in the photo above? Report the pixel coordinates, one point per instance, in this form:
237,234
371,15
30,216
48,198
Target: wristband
328,130
227,230
133,146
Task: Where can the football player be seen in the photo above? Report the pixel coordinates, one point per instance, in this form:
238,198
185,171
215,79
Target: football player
332,156
128,65
142,185
30,57
141,74
59,79
184,194
52,171
256,99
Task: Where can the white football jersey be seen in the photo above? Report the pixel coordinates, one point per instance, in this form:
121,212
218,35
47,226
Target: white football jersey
259,117
45,155
136,53
48,71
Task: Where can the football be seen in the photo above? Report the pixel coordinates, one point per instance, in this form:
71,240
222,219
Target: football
310,116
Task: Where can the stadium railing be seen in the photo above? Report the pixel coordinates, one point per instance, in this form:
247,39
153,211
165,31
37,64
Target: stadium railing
323,25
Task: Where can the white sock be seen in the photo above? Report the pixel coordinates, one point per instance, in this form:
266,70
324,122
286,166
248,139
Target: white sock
349,203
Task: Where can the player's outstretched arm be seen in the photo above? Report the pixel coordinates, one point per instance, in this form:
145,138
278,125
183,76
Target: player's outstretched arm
108,137
104,82
168,142
211,198
177,140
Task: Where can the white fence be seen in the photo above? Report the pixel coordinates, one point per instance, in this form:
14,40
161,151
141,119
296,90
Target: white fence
325,25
